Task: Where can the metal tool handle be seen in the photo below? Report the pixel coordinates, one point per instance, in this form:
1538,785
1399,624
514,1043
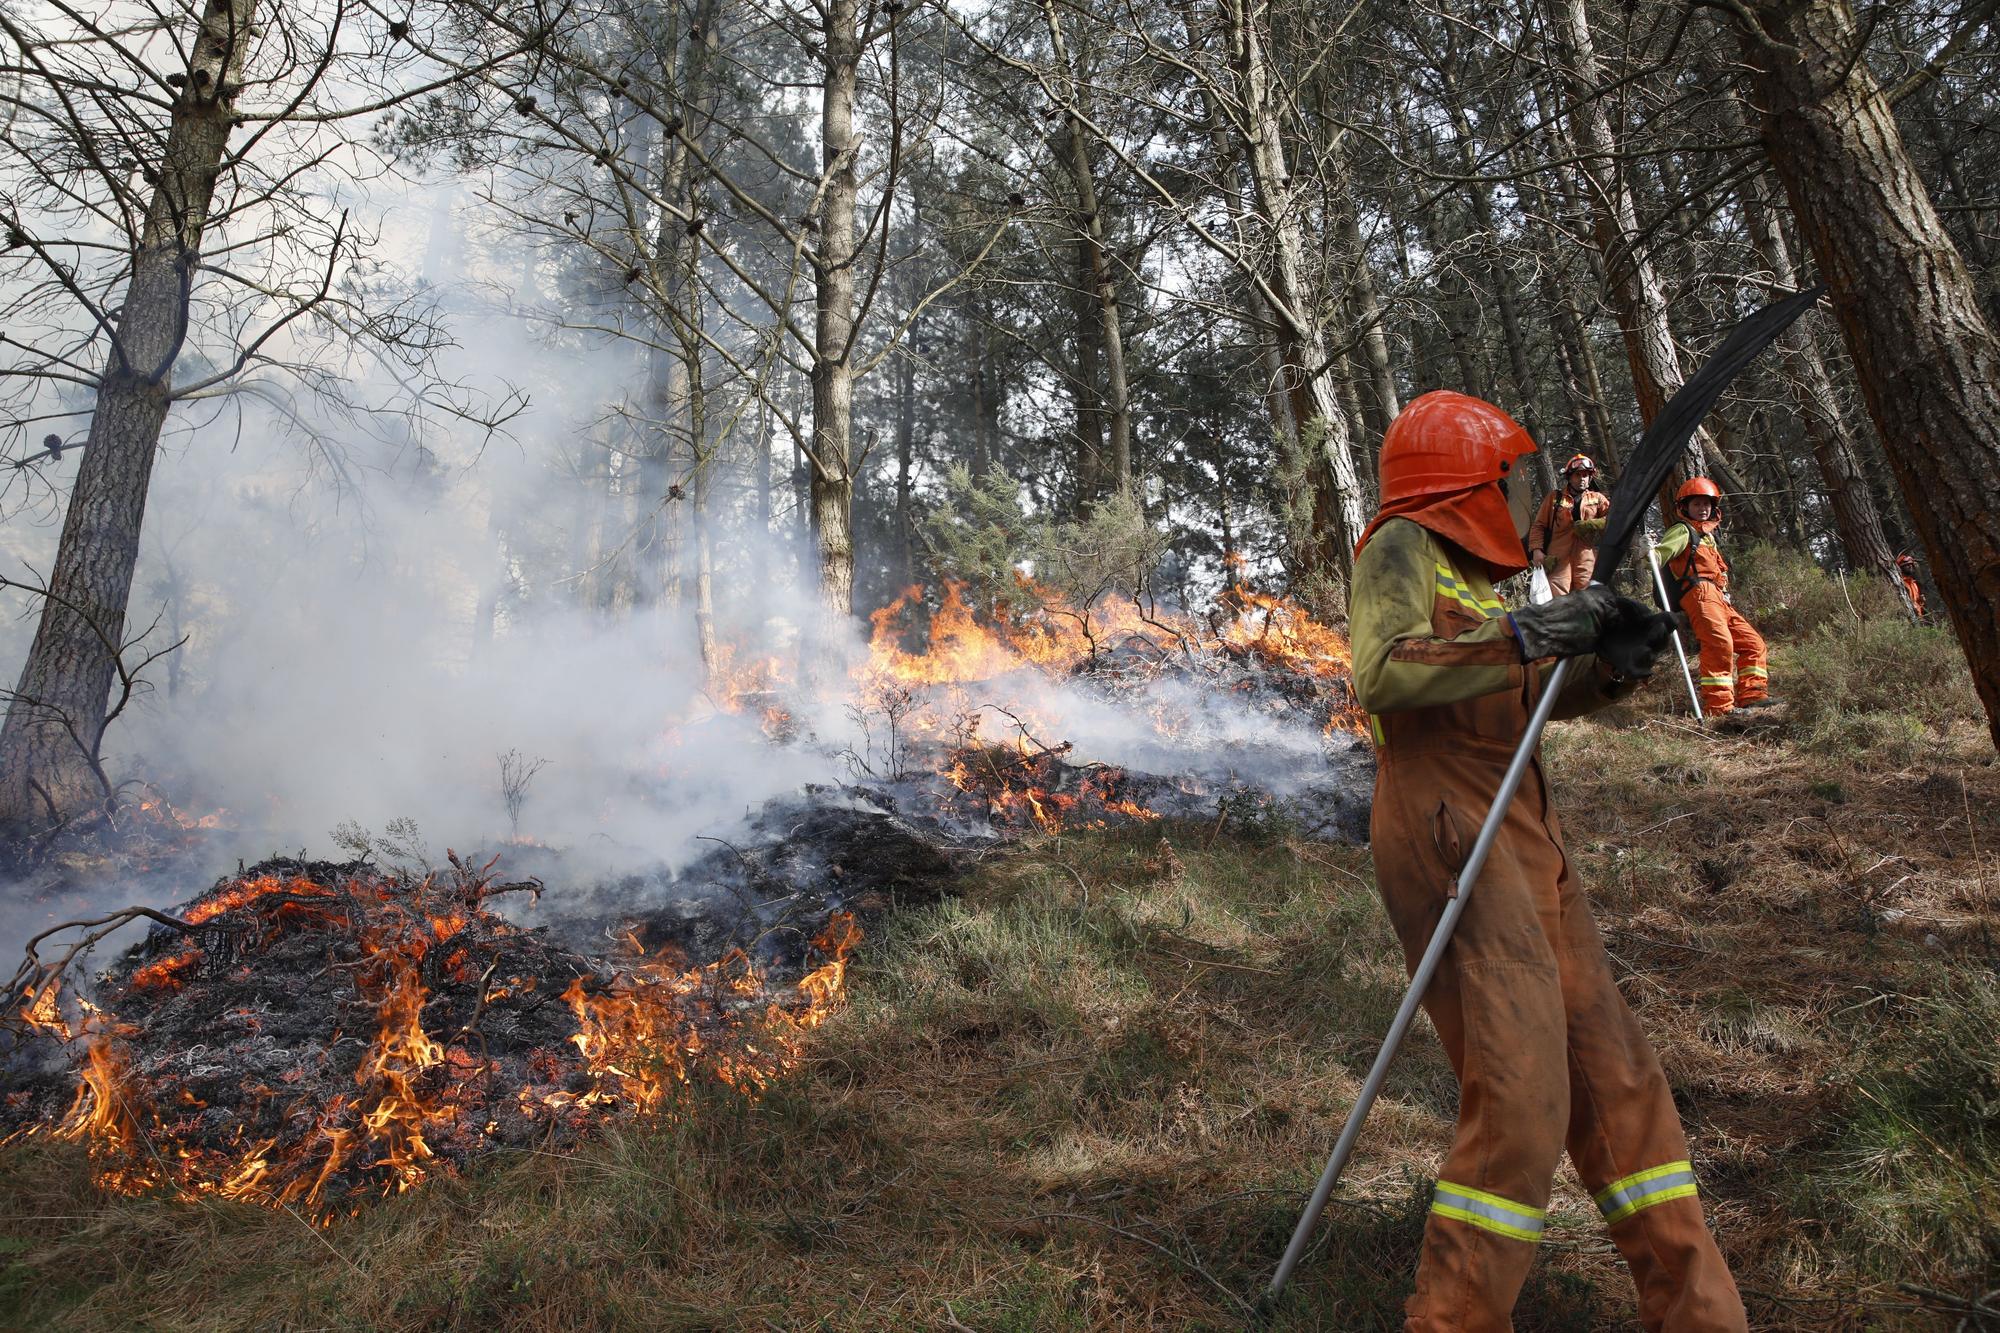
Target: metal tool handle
1660,583
1517,767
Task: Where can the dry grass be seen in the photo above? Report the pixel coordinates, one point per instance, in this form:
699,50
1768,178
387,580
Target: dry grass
1090,1094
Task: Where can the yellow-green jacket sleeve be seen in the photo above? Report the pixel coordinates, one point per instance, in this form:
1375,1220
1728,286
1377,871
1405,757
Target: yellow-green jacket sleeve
1398,662
1672,544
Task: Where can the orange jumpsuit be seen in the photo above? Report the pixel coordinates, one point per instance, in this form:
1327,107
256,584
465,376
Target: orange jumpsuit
1735,668
1570,558
1916,595
1547,1054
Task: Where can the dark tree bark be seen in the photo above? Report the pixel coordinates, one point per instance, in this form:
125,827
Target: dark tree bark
55,719
1928,361
1100,333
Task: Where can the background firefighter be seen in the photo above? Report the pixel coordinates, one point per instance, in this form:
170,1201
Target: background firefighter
1547,1054
1735,666
1906,569
1562,539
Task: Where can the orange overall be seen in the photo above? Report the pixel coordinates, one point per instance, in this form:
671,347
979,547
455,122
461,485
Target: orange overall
1570,557
1734,667
1915,593
1547,1054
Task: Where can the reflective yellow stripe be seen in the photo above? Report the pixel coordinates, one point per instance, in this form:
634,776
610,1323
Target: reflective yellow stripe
1375,730
1489,1212
1449,584
1622,1198
1760,672
1715,680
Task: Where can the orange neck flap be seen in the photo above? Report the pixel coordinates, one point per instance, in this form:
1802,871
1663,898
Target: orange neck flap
1476,520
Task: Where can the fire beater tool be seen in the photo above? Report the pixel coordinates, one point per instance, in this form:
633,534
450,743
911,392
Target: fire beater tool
1650,462
1680,650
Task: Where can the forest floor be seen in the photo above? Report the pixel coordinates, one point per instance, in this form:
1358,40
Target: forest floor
1091,1091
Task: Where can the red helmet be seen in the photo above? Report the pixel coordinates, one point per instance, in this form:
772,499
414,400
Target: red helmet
1694,486
1445,442
1691,488
1907,559
1579,462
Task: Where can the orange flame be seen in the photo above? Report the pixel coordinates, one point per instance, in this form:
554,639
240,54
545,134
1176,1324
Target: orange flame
1056,639
653,1028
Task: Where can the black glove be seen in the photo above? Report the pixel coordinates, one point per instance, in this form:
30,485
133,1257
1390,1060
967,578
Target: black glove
1635,639
1568,626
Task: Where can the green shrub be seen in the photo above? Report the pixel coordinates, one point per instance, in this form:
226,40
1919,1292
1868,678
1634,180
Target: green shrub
1878,685
982,536
1786,594
1916,1150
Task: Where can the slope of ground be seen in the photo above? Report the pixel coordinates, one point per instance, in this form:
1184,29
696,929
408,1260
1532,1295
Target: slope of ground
1091,1092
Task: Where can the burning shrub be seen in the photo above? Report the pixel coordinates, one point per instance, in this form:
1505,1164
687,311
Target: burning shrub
310,1033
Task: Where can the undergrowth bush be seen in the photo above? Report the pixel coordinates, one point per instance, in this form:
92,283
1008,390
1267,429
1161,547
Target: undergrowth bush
1883,686
1787,594
1918,1149
1862,680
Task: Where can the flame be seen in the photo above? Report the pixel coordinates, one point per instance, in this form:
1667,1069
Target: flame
101,1112
640,1036
649,1029
164,811
1056,639
243,892
43,1012
735,685
822,987
167,973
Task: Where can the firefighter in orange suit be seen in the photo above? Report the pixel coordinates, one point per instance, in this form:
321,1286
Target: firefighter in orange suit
1735,668
1563,538
1547,1055
1906,567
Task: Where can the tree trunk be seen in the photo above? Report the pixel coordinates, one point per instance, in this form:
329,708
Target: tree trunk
1928,362
659,553
1288,502
1634,289
701,482
906,434
1325,464
56,716
1085,380
1812,393
760,546
833,333
1480,194
985,432
1113,470
1750,512
1579,359
1380,402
